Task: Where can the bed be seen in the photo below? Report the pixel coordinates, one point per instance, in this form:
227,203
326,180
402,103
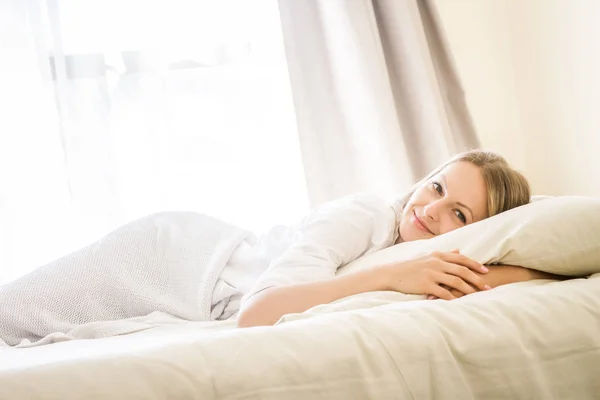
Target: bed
533,340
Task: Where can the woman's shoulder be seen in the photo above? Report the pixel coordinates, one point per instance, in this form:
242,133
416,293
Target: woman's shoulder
362,200
367,210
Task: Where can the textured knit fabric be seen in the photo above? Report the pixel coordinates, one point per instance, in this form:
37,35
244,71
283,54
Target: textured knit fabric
164,265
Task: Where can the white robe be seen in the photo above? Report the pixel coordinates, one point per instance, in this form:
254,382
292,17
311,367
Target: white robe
334,235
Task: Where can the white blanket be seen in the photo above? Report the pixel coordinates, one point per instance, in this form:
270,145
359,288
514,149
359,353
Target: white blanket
532,340
159,269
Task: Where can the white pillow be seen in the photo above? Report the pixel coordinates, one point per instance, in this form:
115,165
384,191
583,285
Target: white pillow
539,197
559,235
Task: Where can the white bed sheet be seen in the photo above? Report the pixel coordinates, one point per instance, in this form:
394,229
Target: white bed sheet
529,340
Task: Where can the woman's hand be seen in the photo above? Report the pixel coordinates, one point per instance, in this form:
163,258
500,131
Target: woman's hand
504,274
437,274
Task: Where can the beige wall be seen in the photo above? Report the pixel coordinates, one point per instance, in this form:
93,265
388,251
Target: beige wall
531,72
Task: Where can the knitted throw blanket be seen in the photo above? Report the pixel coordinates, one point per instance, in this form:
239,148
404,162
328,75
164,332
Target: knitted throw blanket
158,269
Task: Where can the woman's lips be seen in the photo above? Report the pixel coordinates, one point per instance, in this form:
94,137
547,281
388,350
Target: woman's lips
420,224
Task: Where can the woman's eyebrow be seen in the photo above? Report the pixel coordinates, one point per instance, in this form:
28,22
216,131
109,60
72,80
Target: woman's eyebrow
467,207
459,203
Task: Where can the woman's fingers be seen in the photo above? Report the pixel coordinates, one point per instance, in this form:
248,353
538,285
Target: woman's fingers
454,275
454,282
459,259
441,293
455,292
466,275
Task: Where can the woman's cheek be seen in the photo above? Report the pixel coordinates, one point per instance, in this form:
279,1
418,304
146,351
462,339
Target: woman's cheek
448,226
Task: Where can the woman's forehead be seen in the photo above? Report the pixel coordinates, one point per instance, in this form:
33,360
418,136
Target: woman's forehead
465,184
462,172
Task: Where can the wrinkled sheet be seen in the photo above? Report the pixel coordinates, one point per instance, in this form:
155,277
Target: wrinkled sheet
538,339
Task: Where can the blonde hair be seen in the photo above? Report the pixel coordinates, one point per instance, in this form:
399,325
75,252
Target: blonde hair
506,187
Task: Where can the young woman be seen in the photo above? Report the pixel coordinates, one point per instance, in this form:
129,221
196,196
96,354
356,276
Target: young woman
468,188
194,267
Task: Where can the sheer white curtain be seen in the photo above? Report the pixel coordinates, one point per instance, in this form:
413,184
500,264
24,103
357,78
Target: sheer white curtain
113,109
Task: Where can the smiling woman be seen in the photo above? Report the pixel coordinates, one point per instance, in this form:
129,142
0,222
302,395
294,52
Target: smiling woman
453,198
182,257
468,188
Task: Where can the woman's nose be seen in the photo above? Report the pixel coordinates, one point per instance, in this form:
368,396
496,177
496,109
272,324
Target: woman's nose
431,210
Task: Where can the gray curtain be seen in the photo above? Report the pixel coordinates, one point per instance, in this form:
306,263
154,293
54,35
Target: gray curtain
377,97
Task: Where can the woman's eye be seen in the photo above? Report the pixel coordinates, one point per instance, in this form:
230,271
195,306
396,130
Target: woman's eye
461,216
437,187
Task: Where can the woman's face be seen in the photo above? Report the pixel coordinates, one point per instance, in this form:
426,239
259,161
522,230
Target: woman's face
455,197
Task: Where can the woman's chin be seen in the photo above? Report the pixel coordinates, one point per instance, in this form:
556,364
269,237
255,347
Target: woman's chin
408,235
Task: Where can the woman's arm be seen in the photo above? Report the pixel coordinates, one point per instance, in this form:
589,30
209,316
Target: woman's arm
304,275
505,274
533,274
424,275
333,235
267,306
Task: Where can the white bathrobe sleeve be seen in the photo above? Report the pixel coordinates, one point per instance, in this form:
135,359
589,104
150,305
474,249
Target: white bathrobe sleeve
332,236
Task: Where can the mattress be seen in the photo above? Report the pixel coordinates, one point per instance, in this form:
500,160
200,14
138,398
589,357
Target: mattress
537,339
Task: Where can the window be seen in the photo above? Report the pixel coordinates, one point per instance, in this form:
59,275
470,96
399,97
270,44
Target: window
163,105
